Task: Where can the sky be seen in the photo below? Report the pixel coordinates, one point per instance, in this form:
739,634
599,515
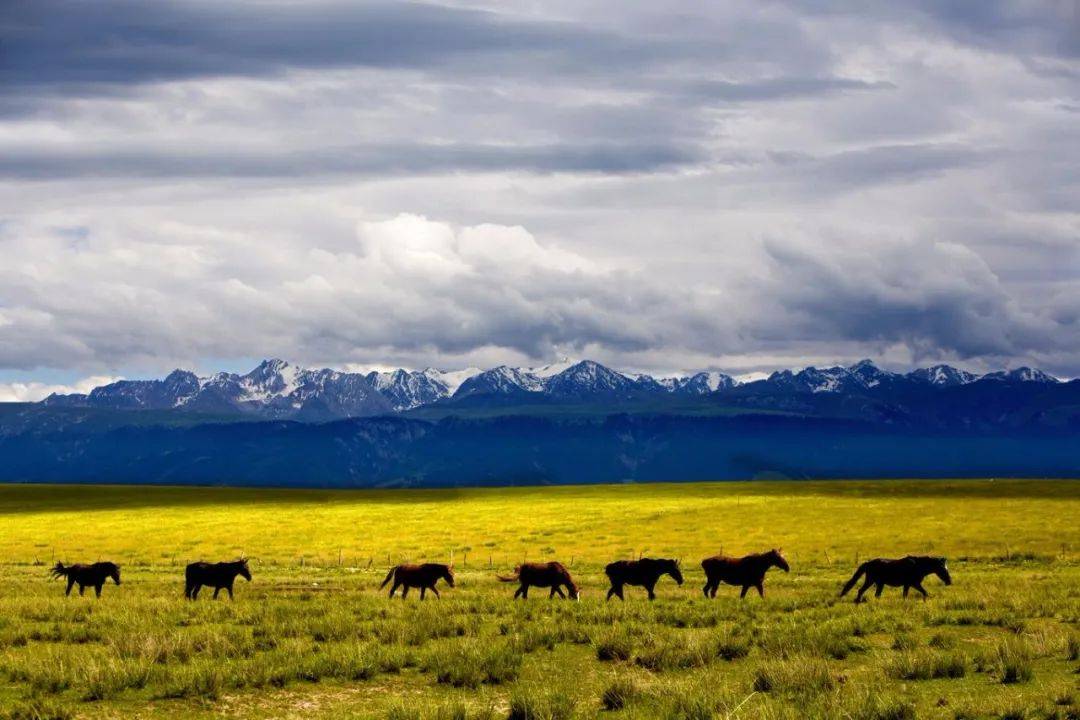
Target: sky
661,187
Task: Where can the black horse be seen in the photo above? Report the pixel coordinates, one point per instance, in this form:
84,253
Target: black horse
642,573
87,575
907,572
748,572
219,576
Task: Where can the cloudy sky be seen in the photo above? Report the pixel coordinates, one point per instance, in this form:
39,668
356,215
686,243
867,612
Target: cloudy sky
658,186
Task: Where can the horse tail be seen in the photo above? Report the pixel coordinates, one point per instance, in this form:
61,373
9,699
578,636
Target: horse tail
59,570
855,578
511,578
388,576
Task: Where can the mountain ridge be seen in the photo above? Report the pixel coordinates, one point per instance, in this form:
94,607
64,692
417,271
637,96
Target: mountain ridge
276,389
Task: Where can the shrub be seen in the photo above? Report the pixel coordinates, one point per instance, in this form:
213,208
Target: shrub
1014,662
618,693
927,666
806,676
470,665
532,704
615,645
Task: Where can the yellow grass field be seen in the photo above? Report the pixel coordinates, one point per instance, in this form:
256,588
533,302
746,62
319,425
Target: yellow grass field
312,636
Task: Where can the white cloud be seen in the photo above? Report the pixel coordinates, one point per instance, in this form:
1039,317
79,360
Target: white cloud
34,391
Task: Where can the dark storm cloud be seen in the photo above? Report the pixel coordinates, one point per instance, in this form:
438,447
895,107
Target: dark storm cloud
383,160
66,43
1024,27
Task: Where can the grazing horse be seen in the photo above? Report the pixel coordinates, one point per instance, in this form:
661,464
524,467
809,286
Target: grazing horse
643,573
422,576
908,572
747,571
219,576
550,575
87,575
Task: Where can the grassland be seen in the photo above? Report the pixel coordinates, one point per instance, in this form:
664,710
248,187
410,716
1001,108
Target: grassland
312,636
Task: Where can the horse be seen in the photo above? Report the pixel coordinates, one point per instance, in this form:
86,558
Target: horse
550,575
908,572
642,573
422,576
747,571
87,575
219,576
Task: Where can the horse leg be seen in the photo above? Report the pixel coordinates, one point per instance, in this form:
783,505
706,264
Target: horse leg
423,591
229,588
920,588
195,591
393,589
436,591
217,589
97,589
715,587
71,584
879,589
558,589
760,589
610,592
551,595
524,592
82,589
705,590
863,589
743,593
906,588
404,591
650,588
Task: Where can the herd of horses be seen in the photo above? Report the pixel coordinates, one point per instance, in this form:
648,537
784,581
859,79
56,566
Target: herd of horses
744,572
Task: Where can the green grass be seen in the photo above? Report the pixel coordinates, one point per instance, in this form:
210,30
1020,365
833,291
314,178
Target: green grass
312,636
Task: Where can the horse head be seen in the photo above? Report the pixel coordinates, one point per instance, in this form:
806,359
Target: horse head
114,573
448,575
778,560
941,569
242,569
672,567
573,591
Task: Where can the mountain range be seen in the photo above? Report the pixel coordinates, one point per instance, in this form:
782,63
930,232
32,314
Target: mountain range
278,390
576,422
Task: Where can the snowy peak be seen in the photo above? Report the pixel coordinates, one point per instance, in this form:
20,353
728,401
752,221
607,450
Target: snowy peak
502,380
409,389
943,376
869,374
1022,374
589,378
813,380
701,383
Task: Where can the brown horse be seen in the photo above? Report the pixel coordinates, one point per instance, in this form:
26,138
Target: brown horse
908,572
550,575
644,573
747,571
219,576
422,576
87,575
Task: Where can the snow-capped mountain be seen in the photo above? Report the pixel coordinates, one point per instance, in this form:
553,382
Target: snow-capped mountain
943,375
409,389
276,389
502,380
1023,374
